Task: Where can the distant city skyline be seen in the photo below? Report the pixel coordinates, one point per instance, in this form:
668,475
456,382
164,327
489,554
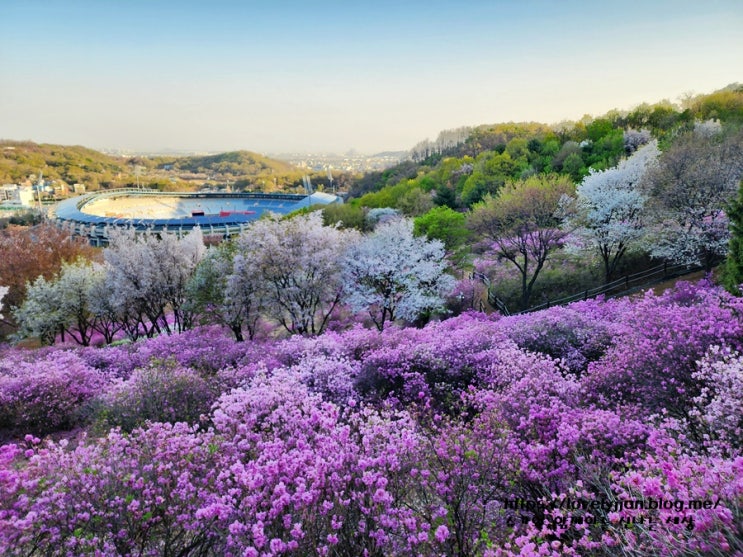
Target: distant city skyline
287,76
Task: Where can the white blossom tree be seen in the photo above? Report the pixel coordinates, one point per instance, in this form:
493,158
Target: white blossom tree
226,291
689,190
3,291
392,274
108,320
40,314
296,262
147,277
607,213
634,139
65,305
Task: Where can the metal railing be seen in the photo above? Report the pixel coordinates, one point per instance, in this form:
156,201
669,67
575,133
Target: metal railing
623,285
620,286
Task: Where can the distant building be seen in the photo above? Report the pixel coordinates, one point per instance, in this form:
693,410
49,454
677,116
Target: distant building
14,195
8,192
61,189
78,188
26,197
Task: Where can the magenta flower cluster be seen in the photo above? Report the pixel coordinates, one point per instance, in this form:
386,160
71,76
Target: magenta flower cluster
603,428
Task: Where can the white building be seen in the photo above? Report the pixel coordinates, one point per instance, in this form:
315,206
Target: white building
14,195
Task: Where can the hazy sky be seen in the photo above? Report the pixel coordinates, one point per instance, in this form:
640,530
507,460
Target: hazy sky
277,76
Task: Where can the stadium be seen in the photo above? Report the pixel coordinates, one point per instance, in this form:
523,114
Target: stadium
223,214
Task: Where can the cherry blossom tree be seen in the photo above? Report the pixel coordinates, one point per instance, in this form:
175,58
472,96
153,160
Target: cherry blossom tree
75,303
392,274
688,190
3,291
607,213
40,315
147,276
297,263
226,291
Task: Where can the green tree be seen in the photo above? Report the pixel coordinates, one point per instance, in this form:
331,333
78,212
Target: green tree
345,216
415,203
523,225
445,224
733,270
573,166
445,197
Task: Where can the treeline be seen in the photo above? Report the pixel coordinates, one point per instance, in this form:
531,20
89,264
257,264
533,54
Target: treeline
24,162
296,273
540,236
464,165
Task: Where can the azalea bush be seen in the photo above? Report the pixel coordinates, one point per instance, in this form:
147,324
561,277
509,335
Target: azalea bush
477,435
160,392
48,394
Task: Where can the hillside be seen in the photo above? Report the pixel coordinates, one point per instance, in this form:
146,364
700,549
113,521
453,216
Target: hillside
360,437
236,163
464,165
19,161
22,161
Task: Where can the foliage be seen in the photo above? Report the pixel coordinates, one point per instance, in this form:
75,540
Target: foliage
564,274
653,366
345,216
234,163
733,271
297,264
575,336
147,274
405,441
444,224
74,303
160,392
47,394
20,162
28,253
381,215
224,290
415,202
725,104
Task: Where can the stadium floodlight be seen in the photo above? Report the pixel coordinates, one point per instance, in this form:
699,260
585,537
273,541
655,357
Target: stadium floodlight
330,178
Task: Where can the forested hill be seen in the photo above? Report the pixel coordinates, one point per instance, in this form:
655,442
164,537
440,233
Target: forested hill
236,163
463,165
22,161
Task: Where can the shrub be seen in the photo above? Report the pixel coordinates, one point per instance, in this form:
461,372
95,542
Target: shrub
160,392
48,394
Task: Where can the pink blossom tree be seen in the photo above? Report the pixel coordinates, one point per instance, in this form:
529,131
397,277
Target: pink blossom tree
523,225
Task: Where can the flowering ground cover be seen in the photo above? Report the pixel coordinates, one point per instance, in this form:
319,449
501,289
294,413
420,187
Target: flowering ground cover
602,428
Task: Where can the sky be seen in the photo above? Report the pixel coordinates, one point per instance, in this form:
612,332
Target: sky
279,76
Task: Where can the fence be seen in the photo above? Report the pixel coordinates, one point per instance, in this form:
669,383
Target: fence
623,285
